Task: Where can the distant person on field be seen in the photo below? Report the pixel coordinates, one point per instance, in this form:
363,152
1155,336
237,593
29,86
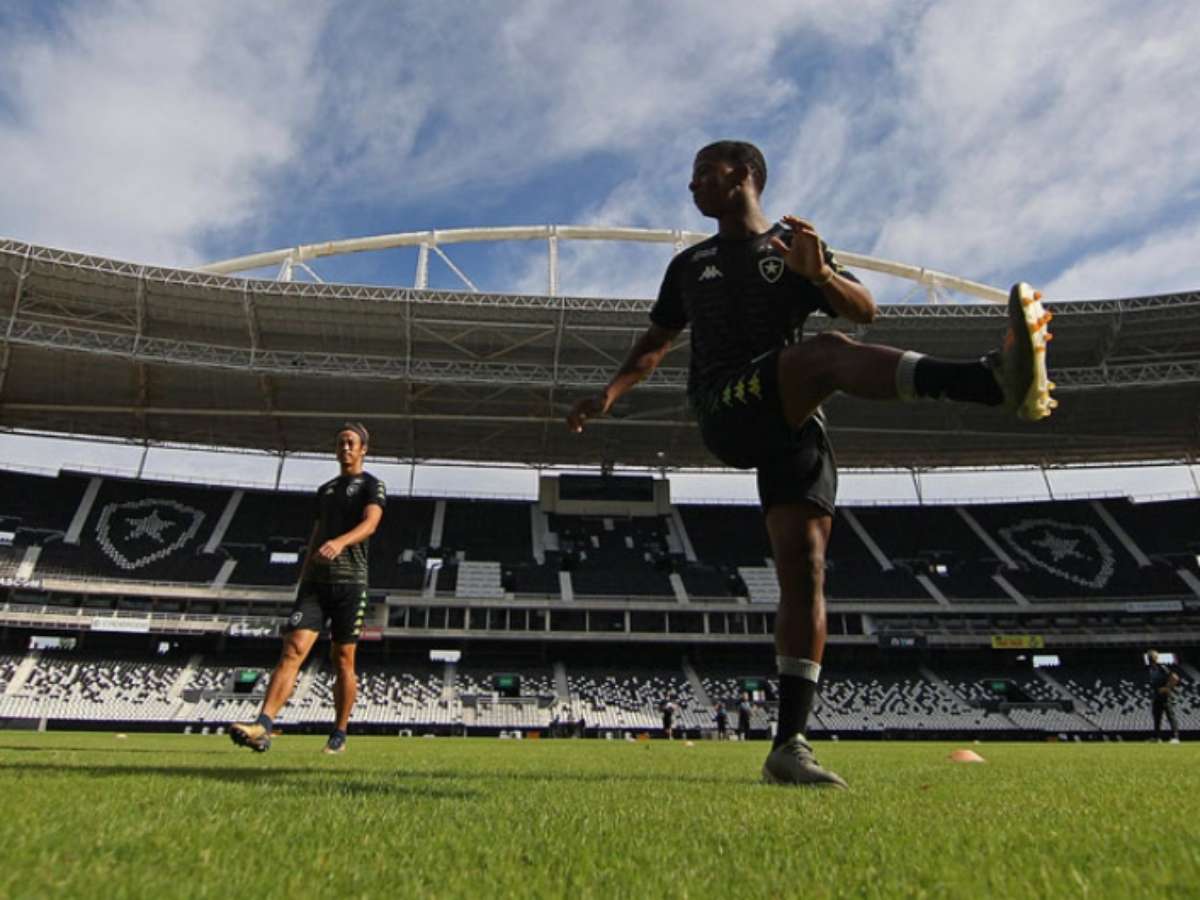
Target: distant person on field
668,719
333,591
743,726
1163,682
722,719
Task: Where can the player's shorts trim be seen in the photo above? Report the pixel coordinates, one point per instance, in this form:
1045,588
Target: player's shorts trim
339,607
742,424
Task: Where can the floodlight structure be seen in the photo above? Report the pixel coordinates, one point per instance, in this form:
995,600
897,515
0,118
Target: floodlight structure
935,284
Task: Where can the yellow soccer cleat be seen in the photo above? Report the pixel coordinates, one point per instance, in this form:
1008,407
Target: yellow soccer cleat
1019,367
252,735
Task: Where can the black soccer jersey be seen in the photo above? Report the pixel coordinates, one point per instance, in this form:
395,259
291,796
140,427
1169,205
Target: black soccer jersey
1160,677
340,505
741,300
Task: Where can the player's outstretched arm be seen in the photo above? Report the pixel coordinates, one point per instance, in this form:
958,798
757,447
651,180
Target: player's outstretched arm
644,357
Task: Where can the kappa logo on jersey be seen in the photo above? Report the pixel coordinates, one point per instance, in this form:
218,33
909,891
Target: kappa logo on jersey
1075,553
138,533
709,273
770,268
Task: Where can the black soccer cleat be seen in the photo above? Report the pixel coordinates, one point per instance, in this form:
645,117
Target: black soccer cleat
793,763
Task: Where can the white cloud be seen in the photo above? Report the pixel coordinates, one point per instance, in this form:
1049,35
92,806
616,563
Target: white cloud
138,127
1165,262
1030,131
991,141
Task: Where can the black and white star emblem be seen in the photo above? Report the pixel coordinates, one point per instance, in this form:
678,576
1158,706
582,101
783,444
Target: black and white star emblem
771,268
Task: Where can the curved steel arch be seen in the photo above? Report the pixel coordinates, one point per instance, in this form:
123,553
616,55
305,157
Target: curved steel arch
431,241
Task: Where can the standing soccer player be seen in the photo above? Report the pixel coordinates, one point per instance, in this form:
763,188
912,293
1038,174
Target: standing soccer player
743,725
1163,681
756,390
333,591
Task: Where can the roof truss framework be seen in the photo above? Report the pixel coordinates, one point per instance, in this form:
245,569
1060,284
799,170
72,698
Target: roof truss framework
97,346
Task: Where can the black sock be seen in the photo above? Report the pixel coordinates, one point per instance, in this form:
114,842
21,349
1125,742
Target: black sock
970,382
796,696
264,720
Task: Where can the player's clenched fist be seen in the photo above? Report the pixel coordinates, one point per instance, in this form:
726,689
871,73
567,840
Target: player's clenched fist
592,407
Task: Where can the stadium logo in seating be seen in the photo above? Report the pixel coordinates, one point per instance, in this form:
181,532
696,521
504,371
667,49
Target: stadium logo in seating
138,533
1076,553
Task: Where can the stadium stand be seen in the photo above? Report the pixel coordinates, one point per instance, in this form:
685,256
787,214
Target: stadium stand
898,702
416,694
1165,532
36,503
400,546
1118,699
934,541
491,530
726,535
633,698
267,522
67,687
614,556
144,530
1065,549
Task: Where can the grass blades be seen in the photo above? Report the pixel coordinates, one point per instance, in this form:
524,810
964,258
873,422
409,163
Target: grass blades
193,816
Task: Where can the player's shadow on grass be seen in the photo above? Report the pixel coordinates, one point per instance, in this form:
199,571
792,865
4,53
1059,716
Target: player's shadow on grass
581,777
323,780
9,748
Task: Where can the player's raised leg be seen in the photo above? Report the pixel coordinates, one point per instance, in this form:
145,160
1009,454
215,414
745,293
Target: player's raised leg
257,734
799,534
1013,376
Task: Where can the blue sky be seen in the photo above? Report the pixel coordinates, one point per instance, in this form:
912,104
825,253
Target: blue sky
1049,142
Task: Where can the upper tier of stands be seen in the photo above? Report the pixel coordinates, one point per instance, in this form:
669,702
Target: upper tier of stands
995,553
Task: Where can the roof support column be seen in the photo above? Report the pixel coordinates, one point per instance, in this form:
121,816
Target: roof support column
1046,480
143,376
410,392
12,320
266,384
421,280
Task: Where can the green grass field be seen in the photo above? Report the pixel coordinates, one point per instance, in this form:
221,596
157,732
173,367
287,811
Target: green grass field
91,815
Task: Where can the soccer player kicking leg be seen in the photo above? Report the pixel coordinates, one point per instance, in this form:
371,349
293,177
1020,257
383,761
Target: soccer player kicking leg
257,734
757,392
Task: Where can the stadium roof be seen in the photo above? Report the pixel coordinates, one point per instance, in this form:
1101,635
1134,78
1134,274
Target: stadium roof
100,347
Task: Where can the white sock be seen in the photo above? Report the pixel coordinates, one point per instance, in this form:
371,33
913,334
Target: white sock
906,372
801,668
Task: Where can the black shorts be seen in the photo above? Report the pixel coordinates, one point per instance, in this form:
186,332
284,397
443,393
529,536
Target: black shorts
742,424
341,607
